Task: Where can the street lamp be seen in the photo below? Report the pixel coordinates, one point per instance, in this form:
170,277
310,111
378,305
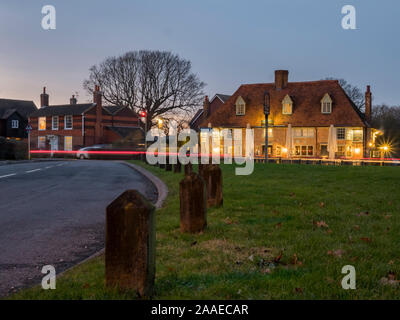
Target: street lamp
267,108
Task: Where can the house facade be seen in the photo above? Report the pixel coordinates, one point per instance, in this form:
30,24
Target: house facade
302,116
211,106
14,118
73,126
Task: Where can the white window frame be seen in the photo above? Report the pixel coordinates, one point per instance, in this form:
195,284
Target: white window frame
14,124
44,145
287,101
326,104
337,133
52,122
45,124
65,122
65,144
240,106
307,146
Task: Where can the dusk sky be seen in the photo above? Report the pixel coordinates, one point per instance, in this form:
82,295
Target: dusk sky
229,42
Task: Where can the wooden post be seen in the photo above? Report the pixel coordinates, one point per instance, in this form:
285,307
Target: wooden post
130,244
188,169
212,176
193,207
177,167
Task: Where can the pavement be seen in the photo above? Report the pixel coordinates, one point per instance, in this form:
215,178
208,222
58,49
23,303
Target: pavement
53,213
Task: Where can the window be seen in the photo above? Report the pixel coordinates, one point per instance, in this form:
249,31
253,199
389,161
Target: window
348,152
304,132
324,150
270,132
341,133
68,122
326,104
304,150
54,122
357,135
278,151
14,124
68,143
240,107
340,152
287,105
42,123
41,142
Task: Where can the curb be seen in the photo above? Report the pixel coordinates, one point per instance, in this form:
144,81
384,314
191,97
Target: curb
162,189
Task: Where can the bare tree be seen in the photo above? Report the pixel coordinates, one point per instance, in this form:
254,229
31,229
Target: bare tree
158,82
354,93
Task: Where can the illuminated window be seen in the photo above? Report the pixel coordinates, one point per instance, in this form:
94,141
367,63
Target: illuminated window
304,132
341,151
41,142
54,121
270,132
240,107
304,150
68,143
357,135
278,151
287,105
14,124
326,104
68,122
42,123
341,133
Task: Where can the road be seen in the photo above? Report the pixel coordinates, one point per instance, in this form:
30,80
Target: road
53,213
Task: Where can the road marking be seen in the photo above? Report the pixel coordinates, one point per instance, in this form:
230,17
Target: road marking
49,167
8,175
30,171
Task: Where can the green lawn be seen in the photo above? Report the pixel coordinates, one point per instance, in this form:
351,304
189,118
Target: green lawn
317,218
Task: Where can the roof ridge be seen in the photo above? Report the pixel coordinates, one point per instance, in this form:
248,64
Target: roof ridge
290,82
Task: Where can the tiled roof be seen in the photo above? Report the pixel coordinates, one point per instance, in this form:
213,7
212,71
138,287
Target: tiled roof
112,109
223,97
23,107
68,109
124,132
306,98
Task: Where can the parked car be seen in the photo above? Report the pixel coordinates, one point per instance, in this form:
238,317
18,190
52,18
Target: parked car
84,154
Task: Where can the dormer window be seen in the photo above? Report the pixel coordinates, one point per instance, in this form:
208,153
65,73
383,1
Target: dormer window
287,105
326,104
240,107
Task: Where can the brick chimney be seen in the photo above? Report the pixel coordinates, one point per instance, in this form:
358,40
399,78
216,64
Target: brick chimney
98,129
206,107
44,99
368,104
73,100
281,79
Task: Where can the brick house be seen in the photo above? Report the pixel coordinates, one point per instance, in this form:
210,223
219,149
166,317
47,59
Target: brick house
14,118
301,113
73,126
213,105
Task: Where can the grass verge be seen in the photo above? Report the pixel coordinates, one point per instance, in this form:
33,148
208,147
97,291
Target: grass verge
285,232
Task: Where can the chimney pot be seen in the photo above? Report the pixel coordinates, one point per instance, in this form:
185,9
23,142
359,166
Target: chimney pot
368,104
281,79
44,99
206,107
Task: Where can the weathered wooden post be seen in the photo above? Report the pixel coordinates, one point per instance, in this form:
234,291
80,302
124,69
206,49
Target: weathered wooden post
168,165
215,196
212,176
188,169
177,167
193,206
130,244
